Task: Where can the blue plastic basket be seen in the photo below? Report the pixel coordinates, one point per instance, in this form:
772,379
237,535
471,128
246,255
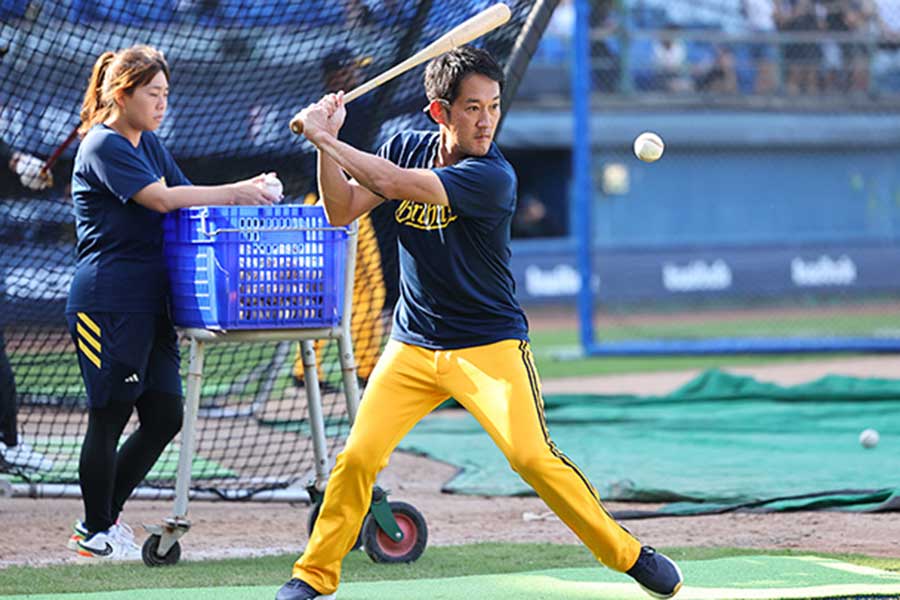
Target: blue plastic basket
255,267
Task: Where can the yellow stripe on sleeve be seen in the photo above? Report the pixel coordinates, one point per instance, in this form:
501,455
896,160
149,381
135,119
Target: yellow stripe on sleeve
87,352
86,336
89,323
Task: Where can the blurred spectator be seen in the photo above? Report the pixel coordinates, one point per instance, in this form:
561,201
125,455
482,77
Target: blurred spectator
14,452
759,16
888,19
197,8
720,76
670,63
606,58
375,283
393,13
344,71
534,220
886,62
834,73
562,22
556,43
859,18
29,168
356,11
802,58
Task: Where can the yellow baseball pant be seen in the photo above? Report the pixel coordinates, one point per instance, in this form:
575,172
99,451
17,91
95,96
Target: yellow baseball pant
498,384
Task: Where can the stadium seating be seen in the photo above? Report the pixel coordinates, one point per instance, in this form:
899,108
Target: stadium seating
126,13
13,9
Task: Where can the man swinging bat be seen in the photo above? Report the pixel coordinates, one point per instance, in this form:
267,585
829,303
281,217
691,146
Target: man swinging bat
458,329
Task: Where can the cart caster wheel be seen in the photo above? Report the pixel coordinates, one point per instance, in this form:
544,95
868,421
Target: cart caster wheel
382,549
152,559
311,522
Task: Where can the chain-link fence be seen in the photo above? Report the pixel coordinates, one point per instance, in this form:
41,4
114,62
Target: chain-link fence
240,70
773,219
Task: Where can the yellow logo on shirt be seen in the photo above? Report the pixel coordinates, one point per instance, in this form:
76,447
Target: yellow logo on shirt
424,216
162,180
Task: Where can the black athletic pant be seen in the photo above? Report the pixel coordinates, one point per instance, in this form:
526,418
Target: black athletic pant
8,429
109,476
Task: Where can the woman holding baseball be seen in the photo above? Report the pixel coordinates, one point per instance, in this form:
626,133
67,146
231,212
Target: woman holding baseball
123,181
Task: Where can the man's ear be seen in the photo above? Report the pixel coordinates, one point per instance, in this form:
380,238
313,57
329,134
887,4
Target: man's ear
439,111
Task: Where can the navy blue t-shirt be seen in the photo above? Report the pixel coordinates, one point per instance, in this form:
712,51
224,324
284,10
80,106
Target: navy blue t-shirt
456,288
120,265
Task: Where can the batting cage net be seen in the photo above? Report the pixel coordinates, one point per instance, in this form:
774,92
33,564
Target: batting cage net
770,222
240,70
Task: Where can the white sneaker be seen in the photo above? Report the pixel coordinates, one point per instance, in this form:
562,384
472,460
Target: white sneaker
25,457
79,533
108,545
125,534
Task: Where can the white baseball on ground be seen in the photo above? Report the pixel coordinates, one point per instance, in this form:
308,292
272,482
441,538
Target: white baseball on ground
868,438
648,147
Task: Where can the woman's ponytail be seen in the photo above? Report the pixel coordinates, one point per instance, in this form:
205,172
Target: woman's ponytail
95,108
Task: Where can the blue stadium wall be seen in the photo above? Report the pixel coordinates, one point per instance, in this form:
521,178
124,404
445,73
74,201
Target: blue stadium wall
758,206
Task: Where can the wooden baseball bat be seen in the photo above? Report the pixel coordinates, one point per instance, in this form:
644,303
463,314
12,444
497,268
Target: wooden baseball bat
485,21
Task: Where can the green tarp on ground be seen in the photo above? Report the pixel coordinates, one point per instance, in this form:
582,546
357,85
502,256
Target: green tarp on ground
64,454
719,442
742,578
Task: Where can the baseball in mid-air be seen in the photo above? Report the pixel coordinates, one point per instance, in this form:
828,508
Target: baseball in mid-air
648,147
274,185
868,438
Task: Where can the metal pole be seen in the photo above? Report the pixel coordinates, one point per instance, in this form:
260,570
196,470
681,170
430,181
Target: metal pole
69,490
188,430
176,526
345,342
314,404
581,167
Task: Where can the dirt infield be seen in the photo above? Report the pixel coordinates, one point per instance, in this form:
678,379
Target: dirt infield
225,529
787,374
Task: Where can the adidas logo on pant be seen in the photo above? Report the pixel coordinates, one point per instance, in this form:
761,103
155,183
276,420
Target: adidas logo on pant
133,378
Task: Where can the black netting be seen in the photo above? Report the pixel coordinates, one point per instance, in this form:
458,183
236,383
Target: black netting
240,70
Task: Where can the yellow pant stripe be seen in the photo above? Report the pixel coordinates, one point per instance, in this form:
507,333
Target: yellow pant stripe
89,323
86,336
87,352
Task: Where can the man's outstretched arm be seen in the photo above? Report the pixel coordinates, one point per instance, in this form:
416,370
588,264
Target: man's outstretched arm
377,178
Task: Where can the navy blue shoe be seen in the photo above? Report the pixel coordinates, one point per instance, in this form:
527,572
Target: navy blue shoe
656,573
297,589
